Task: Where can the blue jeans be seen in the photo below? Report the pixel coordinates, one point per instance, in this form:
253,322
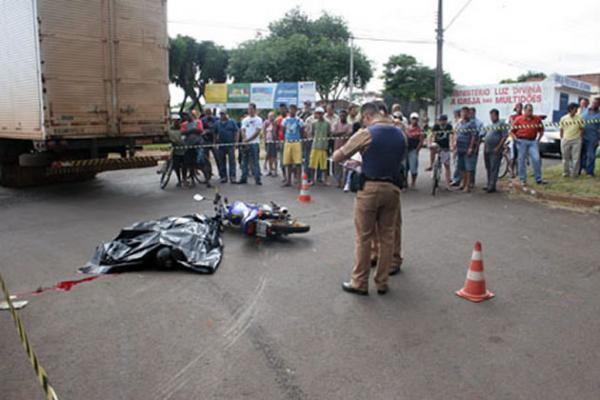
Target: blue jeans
475,157
529,148
465,163
227,157
250,157
412,162
457,174
588,156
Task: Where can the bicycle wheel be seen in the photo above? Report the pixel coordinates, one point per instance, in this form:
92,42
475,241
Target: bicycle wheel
166,175
436,178
504,166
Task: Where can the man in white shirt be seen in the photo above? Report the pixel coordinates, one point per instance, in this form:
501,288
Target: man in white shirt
251,128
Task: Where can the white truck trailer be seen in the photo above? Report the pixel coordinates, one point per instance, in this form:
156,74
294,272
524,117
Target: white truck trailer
79,80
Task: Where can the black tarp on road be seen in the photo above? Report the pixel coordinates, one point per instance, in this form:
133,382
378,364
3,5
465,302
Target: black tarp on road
191,242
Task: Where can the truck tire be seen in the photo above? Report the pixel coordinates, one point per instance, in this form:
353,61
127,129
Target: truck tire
10,150
12,175
34,160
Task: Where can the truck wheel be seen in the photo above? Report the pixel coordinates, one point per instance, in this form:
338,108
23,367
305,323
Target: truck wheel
12,175
34,160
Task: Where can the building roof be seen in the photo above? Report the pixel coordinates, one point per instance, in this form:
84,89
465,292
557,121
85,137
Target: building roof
593,79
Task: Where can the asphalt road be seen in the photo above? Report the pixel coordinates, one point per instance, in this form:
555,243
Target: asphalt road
272,323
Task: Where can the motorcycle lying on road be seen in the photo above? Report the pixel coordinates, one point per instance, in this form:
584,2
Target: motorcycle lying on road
262,221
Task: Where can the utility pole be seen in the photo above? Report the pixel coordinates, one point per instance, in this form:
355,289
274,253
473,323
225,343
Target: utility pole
351,86
439,71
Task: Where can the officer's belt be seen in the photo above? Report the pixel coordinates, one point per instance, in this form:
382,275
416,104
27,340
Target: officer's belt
385,179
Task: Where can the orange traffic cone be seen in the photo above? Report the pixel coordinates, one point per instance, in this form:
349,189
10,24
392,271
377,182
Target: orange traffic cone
305,190
474,289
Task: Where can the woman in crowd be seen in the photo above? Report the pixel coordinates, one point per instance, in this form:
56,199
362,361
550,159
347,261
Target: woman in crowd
271,139
414,134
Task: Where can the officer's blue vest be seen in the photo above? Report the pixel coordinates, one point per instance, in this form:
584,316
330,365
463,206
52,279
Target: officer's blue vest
383,158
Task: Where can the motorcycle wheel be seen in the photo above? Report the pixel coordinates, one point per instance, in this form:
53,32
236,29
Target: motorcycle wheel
288,227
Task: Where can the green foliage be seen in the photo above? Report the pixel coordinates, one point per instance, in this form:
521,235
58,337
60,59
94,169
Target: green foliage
193,64
300,49
531,75
525,77
406,79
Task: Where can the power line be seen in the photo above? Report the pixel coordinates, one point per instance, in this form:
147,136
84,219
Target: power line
256,29
458,14
372,39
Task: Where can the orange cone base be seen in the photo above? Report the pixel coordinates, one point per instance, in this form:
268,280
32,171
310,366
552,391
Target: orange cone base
475,297
304,198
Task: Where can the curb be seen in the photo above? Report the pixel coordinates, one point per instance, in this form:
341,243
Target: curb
570,200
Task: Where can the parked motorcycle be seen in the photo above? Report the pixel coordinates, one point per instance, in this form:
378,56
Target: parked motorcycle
262,221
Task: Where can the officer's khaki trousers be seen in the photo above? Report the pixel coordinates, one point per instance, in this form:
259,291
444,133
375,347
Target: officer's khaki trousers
375,211
397,259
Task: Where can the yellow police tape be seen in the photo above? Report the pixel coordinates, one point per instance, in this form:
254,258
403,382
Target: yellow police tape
502,126
39,370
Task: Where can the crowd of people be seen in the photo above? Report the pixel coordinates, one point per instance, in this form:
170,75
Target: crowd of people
375,153
297,141
580,133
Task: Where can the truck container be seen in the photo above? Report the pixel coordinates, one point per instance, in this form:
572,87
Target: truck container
79,80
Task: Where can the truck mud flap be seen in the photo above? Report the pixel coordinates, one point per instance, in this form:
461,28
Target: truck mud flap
100,165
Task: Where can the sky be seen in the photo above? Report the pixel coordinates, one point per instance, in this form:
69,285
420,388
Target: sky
488,41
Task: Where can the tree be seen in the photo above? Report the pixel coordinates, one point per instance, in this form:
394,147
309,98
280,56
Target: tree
300,49
193,64
406,79
529,75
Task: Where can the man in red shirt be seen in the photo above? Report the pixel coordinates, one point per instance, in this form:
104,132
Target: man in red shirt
283,111
193,122
527,130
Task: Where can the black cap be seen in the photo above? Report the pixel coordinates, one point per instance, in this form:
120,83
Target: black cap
443,117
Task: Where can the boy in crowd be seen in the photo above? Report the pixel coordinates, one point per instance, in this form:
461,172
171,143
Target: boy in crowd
441,135
292,147
321,131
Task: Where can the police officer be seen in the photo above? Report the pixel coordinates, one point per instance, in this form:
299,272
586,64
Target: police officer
382,146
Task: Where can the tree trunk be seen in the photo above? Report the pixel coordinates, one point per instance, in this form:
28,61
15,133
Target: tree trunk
192,93
197,98
185,96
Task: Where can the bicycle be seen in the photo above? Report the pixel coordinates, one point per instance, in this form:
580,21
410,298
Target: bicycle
437,171
504,162
166,171
204,168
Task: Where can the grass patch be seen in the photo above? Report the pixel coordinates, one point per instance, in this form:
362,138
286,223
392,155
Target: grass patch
155,147
583,185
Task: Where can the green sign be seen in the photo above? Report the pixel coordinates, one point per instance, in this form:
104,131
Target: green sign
238,93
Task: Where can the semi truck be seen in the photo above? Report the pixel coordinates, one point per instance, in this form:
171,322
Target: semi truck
83,83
